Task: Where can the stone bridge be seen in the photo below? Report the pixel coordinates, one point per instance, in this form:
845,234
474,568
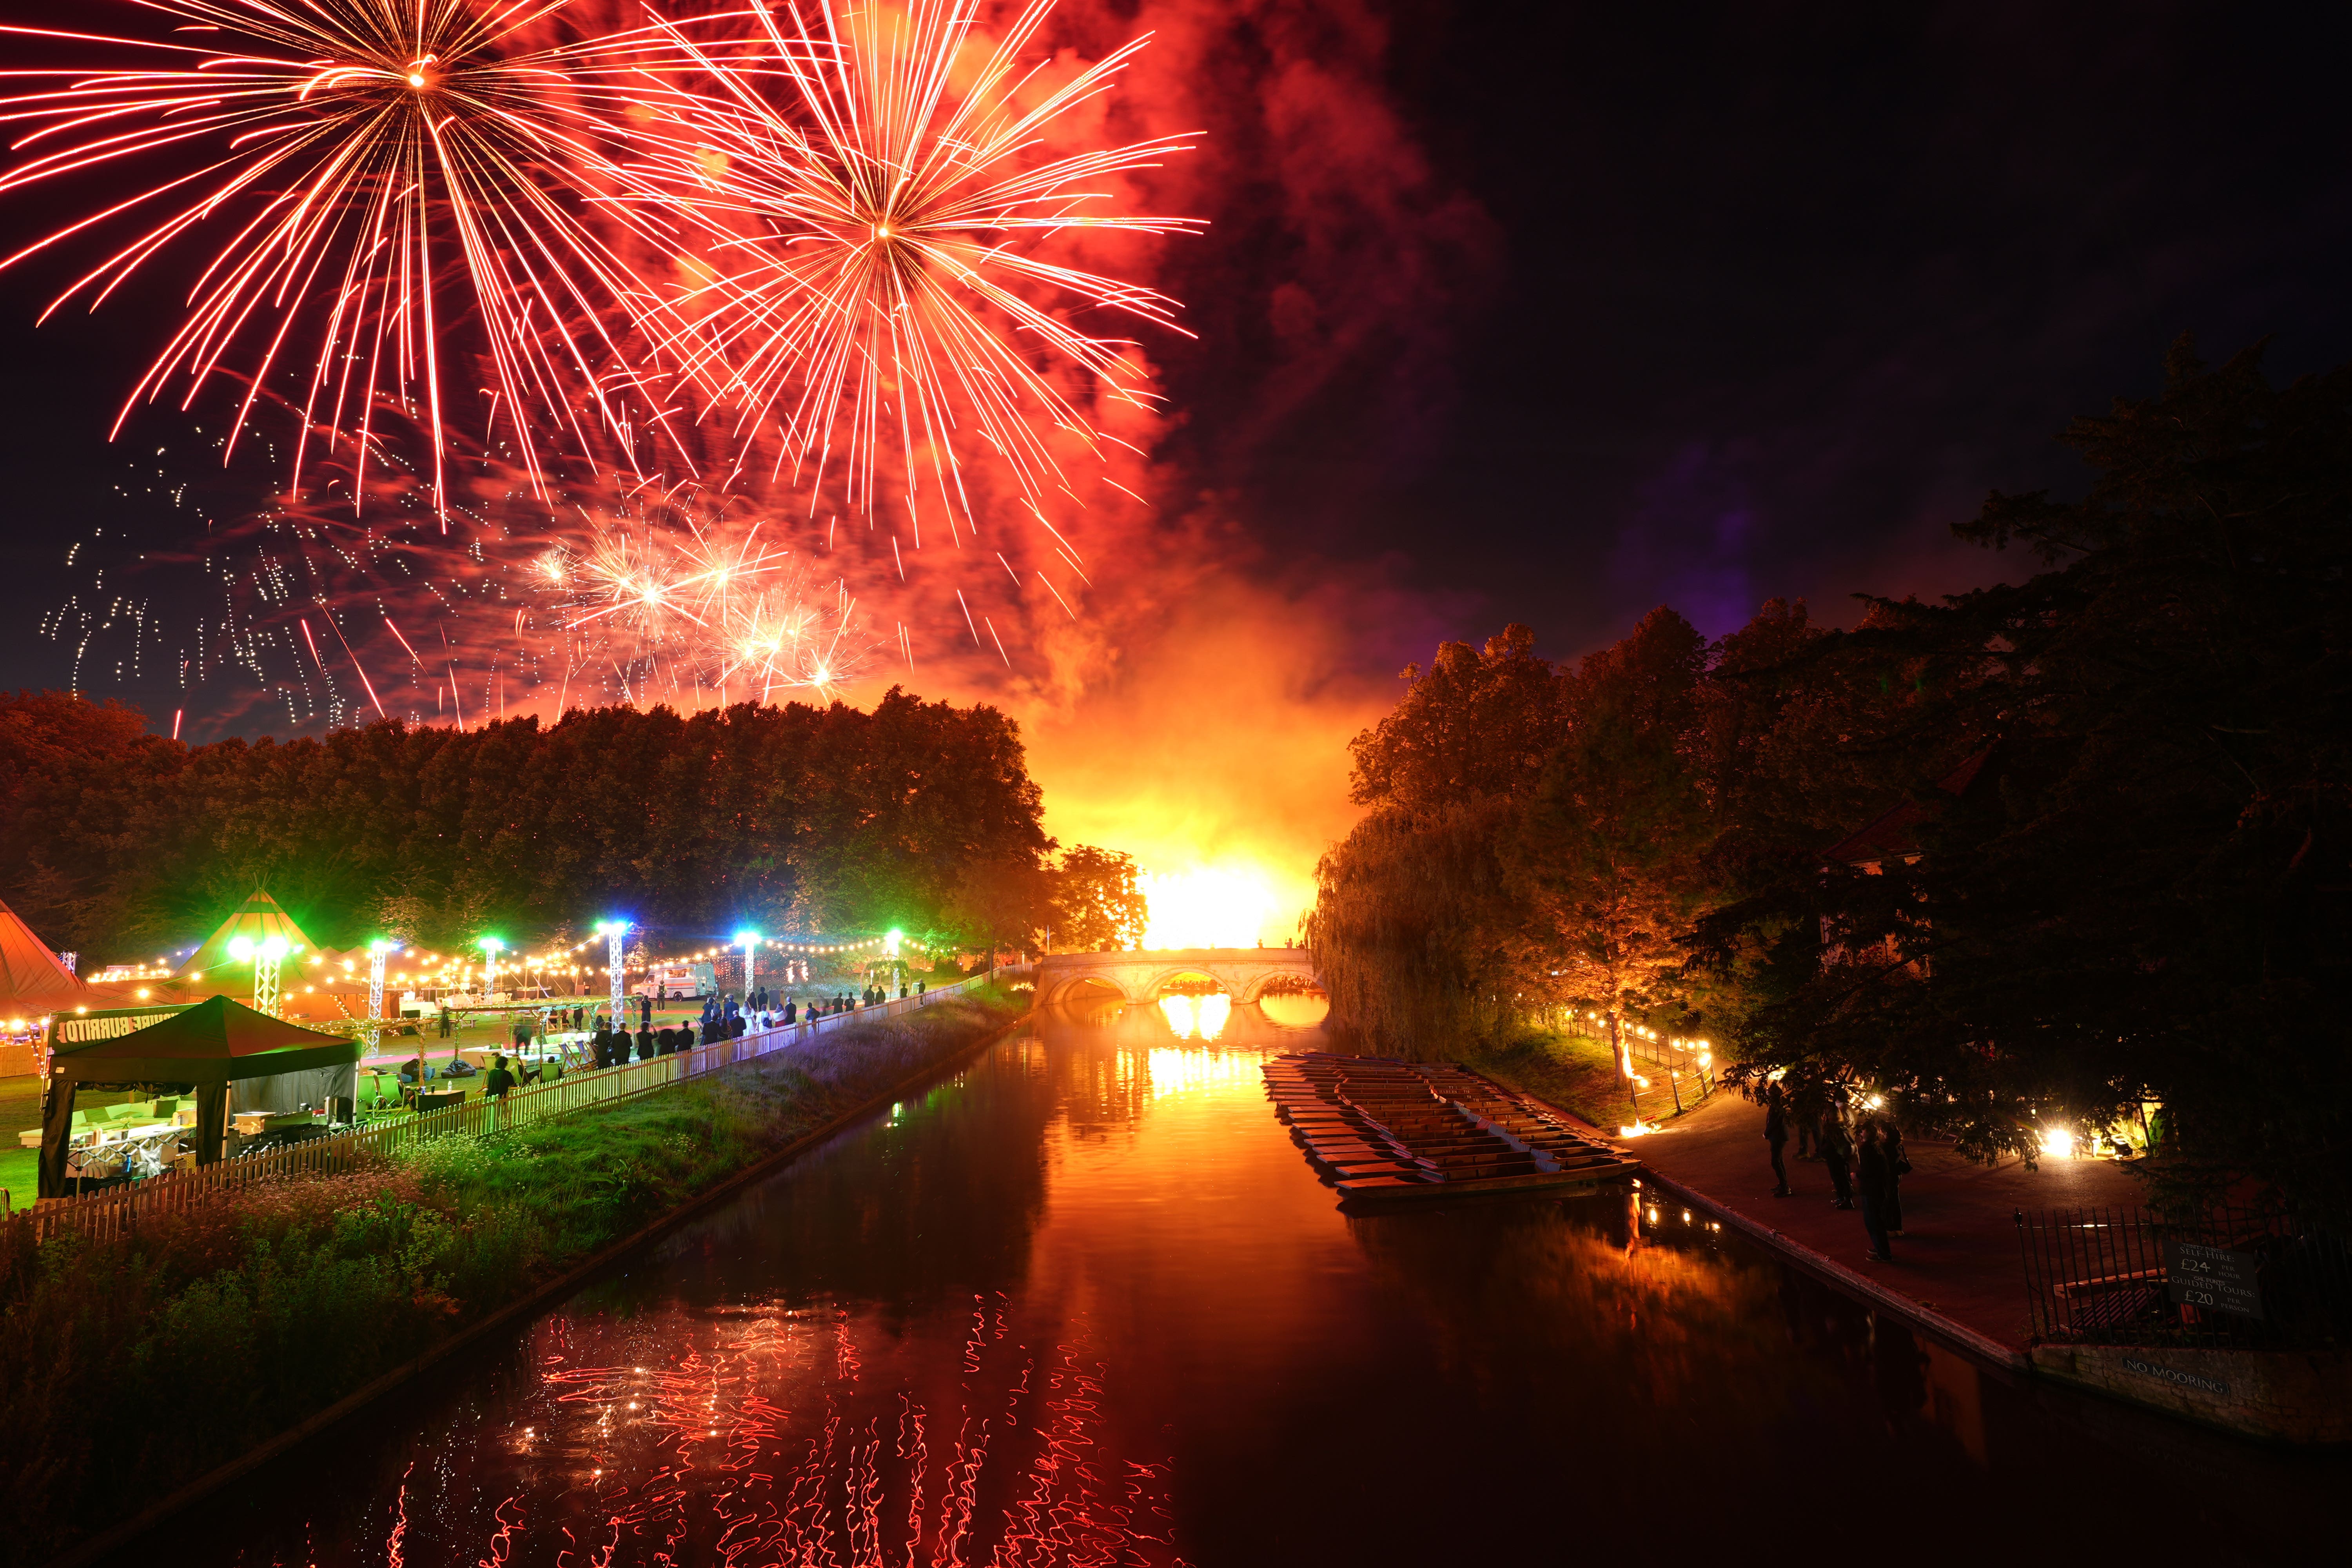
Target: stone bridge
1244,971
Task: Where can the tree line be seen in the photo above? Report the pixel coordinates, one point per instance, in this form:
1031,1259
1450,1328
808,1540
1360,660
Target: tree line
2073,851
919,816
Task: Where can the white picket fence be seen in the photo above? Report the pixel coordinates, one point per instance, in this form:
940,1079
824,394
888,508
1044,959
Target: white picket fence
116,1211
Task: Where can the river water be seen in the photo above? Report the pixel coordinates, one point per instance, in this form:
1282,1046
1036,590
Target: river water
1083,1301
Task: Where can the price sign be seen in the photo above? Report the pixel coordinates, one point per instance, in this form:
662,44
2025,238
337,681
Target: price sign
2213,1278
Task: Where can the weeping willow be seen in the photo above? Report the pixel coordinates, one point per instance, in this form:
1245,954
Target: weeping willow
1419,942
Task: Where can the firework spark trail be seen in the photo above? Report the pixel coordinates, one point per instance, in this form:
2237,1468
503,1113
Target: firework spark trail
404,187
360,152
877,281
670,585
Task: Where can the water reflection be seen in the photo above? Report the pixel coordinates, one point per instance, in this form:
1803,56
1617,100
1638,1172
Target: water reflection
1296,1012
1085,1302
1197,1017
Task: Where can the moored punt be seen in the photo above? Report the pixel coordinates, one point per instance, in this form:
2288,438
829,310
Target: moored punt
1389,1128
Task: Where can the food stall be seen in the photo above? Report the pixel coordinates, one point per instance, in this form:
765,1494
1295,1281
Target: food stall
202,1065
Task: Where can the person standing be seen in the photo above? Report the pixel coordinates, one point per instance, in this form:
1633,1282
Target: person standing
1898,1165
500,1081
1837,1153
792,1012
601,1042
1776,1136
644,1044
1876,1177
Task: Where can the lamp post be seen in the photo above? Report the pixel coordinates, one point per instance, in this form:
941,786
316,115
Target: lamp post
749,941
265,955
616,933
378,950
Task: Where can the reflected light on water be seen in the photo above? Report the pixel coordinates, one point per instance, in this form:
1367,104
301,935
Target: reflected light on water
1196,1017
1178,1071
1296,1012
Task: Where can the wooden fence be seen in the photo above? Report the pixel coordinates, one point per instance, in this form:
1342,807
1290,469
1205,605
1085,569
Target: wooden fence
115,1212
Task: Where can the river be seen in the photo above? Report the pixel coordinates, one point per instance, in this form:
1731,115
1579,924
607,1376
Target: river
1083,1301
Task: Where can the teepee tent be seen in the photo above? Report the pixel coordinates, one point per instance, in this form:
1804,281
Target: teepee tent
32,981
258,920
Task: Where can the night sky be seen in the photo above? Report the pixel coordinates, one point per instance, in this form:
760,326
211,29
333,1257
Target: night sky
1683,304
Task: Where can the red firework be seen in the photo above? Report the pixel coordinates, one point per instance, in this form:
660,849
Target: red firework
345,157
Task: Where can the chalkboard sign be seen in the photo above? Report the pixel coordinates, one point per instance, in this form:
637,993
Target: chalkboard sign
2213,1278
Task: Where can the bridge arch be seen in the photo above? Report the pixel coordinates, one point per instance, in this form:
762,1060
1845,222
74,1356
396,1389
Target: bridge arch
1079,987
1137,977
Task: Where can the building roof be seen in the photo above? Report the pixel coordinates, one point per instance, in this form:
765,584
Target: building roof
260,916
31,978
1892,834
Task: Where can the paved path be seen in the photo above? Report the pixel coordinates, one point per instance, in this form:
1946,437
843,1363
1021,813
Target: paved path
1955,1264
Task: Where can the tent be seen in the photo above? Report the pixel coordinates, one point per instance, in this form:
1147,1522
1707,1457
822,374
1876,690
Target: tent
259,918
216,1048
32,981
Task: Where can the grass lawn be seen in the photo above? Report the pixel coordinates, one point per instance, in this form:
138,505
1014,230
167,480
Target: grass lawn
1580,1073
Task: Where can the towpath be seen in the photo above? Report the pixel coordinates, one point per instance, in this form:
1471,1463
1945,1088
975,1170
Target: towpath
1956,1269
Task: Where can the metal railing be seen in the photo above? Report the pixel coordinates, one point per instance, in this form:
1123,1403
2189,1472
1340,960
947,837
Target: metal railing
2224,1276
1686,1082
115,1212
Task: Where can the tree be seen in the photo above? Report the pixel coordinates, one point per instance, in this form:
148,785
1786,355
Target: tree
2141,896
1477,722
1415,931
998,903
1610,851
824,818
1097,903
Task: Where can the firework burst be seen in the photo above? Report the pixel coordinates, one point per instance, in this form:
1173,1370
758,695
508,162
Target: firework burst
667,587
877,247
347,156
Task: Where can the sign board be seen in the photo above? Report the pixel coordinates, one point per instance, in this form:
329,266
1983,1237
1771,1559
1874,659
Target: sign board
2213,1278
69,1029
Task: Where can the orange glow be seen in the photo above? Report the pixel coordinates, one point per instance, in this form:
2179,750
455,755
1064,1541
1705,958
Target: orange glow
1252,779
1227,905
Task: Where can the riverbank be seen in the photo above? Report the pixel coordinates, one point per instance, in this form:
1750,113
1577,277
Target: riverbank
1957,1273
127,1369
1956,1268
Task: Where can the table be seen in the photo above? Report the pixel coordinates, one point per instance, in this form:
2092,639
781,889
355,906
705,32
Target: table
253,1122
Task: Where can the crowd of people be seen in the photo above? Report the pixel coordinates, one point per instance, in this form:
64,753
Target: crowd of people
1863,1155
612,1042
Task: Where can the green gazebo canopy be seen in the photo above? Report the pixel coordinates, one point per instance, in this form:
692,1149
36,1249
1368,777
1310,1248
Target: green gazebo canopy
217,1041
